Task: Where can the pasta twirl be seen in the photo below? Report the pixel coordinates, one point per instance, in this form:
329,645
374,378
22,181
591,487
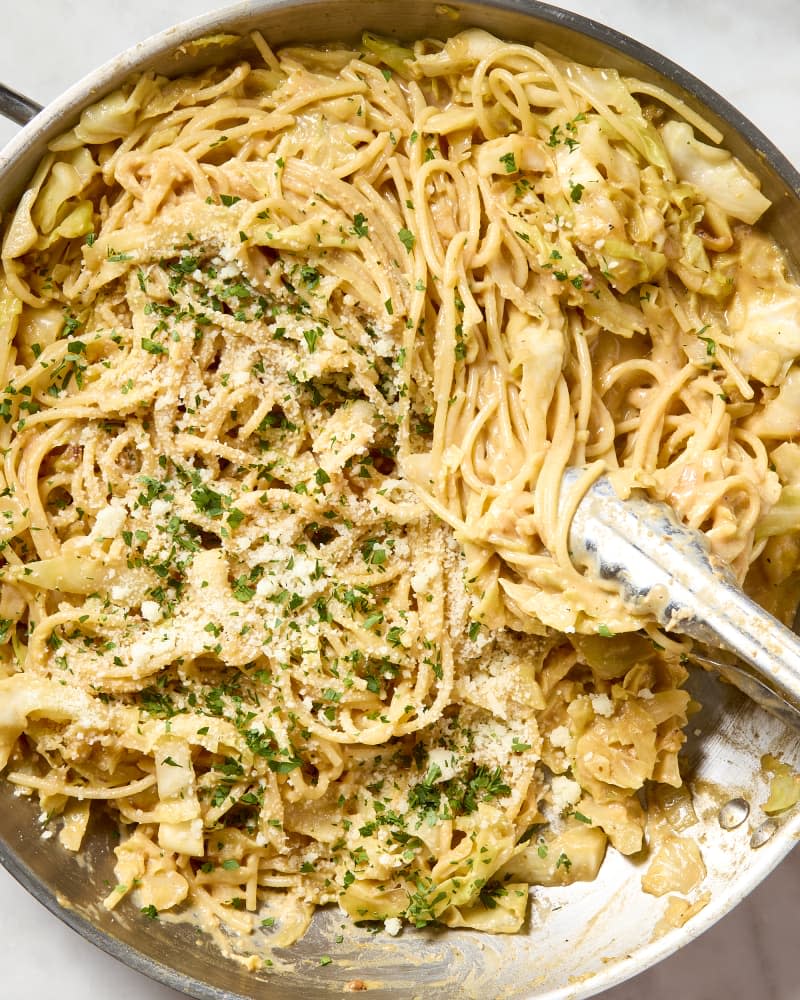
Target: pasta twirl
295,354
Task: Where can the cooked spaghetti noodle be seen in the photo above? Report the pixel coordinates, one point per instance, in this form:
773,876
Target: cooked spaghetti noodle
295,354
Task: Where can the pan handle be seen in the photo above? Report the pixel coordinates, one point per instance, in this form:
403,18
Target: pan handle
17,107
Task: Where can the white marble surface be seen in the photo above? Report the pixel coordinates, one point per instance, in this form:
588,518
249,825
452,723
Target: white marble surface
746,51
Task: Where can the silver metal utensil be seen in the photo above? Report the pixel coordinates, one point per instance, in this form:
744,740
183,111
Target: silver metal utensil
666,570
17,107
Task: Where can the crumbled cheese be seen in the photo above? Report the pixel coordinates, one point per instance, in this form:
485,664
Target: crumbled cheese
108,522
144,650
151,610
646,694
392,925
267,586
564,792
559,737
159,508
602,704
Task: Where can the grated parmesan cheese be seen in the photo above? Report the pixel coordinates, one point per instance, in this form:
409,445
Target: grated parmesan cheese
564,792
151,610
602,705
108,522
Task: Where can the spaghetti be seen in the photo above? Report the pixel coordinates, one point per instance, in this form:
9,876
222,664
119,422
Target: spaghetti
295,353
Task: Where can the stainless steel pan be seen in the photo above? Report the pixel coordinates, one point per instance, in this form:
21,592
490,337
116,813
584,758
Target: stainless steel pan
583,938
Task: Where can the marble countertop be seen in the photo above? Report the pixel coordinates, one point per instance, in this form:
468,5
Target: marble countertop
747,52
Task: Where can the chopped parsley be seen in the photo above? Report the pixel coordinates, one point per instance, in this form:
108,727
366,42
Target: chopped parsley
310,276
407,238
711,345
152,346
575,191
457,796
509,162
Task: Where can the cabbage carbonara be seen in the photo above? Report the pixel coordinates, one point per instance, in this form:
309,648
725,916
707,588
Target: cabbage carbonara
295,353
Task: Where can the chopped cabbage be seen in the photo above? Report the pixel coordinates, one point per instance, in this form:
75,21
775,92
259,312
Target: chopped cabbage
78,222
622,822
464,50
714,172
22,695
606,90
786,459
764,315
615,655
388,51
784,790
220,40
68,177
780,417
499,910
21,233
452,120
677,866
176,784
115,115
573,855
10,309
70,573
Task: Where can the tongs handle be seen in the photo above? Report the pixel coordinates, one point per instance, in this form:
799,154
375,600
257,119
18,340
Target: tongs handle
665,570
17,107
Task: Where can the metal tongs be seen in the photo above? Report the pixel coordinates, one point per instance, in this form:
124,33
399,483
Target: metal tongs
666,570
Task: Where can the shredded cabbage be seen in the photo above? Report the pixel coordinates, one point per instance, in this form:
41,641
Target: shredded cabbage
714,172
784,790
764,313
115,115
388,51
